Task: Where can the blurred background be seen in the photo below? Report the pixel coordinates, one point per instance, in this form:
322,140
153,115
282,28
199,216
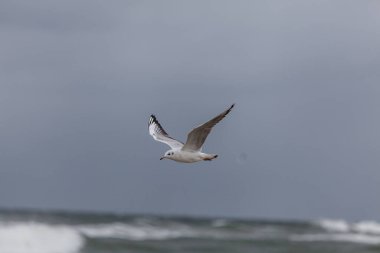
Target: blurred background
79,80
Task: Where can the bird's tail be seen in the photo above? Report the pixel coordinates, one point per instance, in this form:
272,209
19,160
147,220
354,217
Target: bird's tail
209,157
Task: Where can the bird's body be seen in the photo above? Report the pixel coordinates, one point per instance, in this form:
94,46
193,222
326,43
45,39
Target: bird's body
190,151
188,156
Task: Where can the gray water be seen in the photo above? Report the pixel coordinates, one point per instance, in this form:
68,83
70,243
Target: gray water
67,232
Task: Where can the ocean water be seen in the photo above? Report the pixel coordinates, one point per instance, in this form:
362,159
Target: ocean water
60,232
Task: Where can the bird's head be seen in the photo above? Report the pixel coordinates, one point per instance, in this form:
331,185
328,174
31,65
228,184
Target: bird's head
168,154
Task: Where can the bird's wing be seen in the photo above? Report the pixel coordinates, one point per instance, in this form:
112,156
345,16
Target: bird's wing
159,134
198,135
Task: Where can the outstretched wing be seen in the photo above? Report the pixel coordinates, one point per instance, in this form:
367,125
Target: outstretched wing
198,135
159,134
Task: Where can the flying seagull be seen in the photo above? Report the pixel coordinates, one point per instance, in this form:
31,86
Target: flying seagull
190,151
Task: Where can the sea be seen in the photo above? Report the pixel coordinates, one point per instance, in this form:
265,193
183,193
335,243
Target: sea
70,232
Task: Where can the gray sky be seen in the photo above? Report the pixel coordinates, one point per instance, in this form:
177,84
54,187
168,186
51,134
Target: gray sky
79,79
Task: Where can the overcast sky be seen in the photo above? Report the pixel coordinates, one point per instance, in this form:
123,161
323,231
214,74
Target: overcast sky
79,79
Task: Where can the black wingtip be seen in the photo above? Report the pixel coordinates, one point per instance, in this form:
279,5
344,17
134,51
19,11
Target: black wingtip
152,119
229,109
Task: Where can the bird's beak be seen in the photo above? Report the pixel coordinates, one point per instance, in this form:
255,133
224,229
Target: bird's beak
162,158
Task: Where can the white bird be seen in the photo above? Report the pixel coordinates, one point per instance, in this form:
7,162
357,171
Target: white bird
190,151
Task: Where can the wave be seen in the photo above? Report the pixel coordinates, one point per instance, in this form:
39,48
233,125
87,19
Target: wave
60,237
216,230
368,227
32,237
336,237
219,223
334,225
364,227
363,232
134,232
335,231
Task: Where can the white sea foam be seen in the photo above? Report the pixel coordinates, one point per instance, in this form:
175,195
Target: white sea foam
32,237
338,237
336,230
368,227
365,232
219,223
334,225
142,232
133,232
364,227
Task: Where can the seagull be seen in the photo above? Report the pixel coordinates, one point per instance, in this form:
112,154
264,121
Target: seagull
191,151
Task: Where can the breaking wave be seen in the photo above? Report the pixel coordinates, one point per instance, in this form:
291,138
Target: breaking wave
334,225
62,237
32,237
368,227
349,237
364,232
363,227
134,232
